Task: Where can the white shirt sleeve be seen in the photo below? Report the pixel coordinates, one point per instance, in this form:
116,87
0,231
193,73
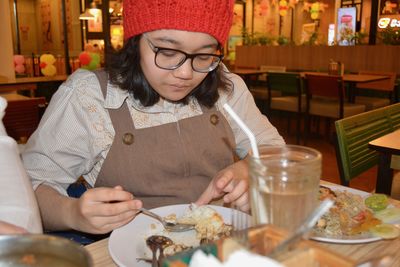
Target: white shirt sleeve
242,102
66,144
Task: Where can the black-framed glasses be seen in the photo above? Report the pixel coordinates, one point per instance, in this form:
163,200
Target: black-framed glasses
171,59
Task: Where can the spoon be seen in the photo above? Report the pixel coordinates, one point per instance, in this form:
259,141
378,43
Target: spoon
163,244
153,247
169,226
306,226
157,242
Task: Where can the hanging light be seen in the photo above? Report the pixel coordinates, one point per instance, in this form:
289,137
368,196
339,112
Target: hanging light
86,15
90,13
94,10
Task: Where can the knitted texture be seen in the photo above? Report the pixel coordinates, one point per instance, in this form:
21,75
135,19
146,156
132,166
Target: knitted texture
208,16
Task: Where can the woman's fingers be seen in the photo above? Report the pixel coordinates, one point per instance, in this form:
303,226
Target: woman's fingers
106,224
225,182
237,189
103,194
243,202
101,208
113,209
112,226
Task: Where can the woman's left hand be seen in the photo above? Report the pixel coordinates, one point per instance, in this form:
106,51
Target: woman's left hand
232,183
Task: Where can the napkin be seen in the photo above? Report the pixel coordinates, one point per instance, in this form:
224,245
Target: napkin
238,258
17,200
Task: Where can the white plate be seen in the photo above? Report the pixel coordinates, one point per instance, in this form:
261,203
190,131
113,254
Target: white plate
355,239
129,242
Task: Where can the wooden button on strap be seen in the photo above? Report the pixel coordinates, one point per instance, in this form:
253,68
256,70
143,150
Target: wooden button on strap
128,139
214,119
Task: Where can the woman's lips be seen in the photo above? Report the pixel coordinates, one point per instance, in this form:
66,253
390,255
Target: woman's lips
179,86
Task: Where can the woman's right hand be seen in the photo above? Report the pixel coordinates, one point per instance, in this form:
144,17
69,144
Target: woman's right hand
101,210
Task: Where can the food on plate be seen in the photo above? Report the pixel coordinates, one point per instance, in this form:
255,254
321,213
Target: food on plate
377,202
171,218
175,248
28,259
385,231
326,192
388,215
349,215
209,224
164,245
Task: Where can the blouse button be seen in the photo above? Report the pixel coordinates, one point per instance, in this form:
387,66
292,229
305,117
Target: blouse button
128,139
214,119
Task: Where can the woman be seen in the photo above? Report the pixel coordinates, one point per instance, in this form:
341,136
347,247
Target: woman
150,131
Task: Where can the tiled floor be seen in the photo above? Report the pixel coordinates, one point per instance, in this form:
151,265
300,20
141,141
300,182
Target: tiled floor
365,181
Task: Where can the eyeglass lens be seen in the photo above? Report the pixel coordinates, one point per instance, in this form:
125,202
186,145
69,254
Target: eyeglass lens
172,59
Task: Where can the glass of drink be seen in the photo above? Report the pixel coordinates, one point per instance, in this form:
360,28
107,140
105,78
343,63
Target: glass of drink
284,185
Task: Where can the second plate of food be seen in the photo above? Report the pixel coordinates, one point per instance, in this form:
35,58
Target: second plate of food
332,233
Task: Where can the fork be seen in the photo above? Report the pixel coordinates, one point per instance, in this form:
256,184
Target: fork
240,224
169,226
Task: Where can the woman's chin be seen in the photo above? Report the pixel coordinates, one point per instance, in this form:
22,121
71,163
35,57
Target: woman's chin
174,98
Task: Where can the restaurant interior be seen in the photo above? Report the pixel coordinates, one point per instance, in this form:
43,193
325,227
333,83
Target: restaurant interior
326,73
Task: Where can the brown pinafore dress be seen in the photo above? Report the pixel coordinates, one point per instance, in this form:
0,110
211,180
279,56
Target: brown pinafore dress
167,164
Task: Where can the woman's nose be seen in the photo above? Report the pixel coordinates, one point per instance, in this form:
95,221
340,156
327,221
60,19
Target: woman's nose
185,71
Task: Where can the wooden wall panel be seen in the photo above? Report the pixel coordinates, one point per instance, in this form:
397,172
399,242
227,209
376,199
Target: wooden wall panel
355,58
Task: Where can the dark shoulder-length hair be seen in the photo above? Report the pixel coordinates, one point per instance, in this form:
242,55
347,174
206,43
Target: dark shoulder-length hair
125,71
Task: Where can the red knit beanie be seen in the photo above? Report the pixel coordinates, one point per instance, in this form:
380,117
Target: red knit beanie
209,16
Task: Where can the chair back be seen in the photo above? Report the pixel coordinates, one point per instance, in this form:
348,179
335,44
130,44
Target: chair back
324,85
353,135
22,117
268,68
288,83
290,89
381,85
273,68
394,115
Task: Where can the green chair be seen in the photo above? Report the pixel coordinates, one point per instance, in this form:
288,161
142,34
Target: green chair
394,114
353,135
259,90
291,98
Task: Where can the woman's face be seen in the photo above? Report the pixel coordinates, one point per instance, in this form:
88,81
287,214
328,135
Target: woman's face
176,84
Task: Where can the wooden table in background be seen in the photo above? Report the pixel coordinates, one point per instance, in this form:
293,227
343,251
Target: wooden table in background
358,252
246,74
28,83
387,146
13,97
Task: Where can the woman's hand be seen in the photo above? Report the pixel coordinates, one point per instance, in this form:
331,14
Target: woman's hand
11,229
231,183
101,210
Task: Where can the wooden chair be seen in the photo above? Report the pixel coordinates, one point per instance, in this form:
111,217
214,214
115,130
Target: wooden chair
290,96
270,69
353,135
259,90
394,115
385,87
326,98
22,117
